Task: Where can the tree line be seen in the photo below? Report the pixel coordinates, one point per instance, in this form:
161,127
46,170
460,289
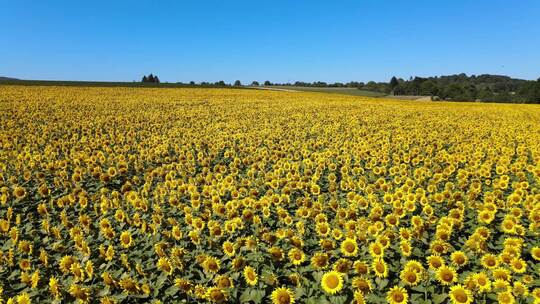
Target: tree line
492,88
459,87
150,79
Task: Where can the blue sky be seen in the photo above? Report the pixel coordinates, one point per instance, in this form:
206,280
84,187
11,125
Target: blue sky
280,40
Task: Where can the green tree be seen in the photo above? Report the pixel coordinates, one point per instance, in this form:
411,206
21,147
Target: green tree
429,87
393,84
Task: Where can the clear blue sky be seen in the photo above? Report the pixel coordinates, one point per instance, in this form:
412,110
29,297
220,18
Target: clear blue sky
277,40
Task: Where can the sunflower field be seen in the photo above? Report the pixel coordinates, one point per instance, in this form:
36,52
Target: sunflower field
155,195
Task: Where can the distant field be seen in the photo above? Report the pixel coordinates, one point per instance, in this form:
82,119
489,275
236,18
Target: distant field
103,84
345,91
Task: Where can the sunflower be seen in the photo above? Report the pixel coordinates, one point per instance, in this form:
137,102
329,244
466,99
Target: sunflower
361,267
282,295
327,244
176,233
342,265
319,260
80,293
294,278
223,281
66,262
518,265
501,273
34,279
296,256
108,279
446,275
184,284
19,192
439,247
535,253
358,298
332,282
276,253
89,268
25,264
506,297
216,295
486,216
125,239
54,287
397,295
376,250
500,285
482,281
414,265
459,258
165,265
435,262
406,248
228,248
520,289
349,248
460,295
489,261
323,229
362,284
250,275
409,277
380,268
129,285
211,264
22,298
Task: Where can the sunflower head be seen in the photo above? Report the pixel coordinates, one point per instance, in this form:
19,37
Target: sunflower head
459,258
216,295
362,284
409,276
296,256
282,295
250,275
125,239
489,261
446,275
460,295
506,297
332,282
397,295
361,267
319,260
379,268
349,247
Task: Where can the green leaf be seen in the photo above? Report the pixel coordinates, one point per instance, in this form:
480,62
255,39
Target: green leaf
317,300
419,288
257,295
245,296
381,283
171,291
437,299
338,300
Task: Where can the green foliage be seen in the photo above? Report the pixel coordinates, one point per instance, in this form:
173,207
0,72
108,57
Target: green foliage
491,88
